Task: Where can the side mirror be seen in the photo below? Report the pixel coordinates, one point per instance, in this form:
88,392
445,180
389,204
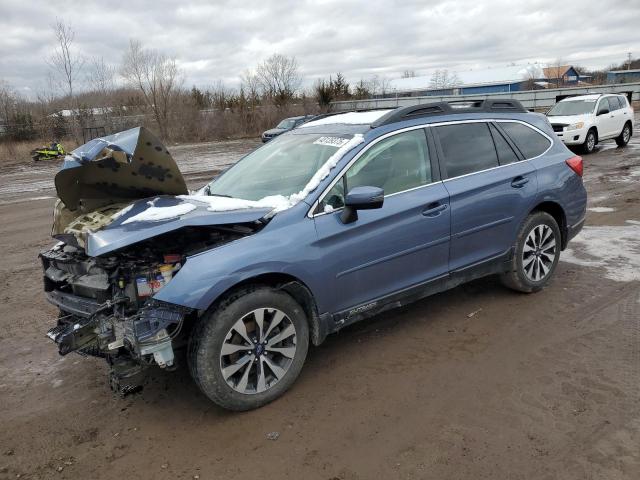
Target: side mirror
603,111
361,198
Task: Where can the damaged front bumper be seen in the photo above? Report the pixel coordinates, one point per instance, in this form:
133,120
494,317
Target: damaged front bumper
96,329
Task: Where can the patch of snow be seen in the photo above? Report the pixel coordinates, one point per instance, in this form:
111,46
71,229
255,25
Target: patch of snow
328,209
122,212
614,248
156,214
632,222
349,118
601,209
325,169
225,204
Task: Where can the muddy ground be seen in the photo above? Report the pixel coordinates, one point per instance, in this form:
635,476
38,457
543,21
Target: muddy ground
478,382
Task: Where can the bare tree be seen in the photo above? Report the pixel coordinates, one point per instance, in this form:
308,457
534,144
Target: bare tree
408,74
279,77
250,84
102,80
101,76
379,85
442,79
157,77
66,63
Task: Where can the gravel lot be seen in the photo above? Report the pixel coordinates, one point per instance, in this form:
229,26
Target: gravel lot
478,382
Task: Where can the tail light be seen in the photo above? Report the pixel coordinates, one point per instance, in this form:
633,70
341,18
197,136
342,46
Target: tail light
575,164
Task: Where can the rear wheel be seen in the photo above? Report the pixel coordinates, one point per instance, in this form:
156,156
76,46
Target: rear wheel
250,349
536,254
590,141
624,136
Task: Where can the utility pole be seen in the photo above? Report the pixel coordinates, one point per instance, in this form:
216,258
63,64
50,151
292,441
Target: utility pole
629,62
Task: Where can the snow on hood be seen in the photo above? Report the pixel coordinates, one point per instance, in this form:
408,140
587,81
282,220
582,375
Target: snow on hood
146,219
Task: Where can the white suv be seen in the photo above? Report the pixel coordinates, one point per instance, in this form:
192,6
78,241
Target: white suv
586,120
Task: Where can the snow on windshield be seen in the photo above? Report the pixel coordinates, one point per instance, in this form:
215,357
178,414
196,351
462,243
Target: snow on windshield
280,202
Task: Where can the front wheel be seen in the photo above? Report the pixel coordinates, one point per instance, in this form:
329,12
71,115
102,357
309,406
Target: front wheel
590,141
249,350
536,254
624,136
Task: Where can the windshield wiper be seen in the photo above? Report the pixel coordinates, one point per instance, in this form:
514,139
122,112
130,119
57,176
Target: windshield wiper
219,195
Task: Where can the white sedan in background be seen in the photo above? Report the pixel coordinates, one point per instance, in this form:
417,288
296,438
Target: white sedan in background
586,120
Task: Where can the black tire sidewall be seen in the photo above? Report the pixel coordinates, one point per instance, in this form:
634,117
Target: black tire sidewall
213,328
534,220
620,140
585,146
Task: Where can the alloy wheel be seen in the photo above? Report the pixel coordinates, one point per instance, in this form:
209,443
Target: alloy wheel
539,252
591,142
626,134
258,350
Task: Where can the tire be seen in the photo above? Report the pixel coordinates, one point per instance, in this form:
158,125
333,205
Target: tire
590,141
534,261
218,346
624,136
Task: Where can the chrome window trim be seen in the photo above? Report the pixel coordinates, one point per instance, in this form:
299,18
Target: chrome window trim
315,204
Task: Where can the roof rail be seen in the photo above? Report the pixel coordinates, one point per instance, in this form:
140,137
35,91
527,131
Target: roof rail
449,108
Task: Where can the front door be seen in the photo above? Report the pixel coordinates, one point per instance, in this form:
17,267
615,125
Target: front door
402,244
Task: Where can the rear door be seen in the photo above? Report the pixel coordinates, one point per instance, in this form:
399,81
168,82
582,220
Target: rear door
386,250
490,188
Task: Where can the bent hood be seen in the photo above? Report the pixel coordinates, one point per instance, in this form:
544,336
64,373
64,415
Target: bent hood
118,168
149,218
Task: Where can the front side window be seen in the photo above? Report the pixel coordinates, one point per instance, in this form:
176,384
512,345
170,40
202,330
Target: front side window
529,142
395,164
467,148
604,105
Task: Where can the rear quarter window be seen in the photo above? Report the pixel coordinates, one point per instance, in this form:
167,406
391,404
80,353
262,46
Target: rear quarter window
528,141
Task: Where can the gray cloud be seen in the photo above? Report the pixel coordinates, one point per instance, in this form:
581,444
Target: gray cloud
218,41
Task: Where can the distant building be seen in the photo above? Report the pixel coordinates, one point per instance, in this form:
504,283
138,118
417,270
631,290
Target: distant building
492,80
623,76
563,75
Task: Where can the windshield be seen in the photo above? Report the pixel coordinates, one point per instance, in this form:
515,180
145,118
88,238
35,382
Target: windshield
573,107
283,166
286,123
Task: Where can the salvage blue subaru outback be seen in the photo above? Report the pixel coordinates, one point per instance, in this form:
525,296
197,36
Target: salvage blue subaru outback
344,217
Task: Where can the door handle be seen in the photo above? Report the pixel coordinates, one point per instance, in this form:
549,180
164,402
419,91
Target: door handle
434,209
519,182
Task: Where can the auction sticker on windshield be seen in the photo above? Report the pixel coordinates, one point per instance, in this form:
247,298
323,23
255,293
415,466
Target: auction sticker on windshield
331,141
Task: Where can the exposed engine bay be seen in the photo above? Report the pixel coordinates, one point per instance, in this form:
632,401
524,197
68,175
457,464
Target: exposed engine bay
106,304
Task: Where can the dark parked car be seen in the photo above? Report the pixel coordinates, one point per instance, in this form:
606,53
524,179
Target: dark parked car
284,126
342,218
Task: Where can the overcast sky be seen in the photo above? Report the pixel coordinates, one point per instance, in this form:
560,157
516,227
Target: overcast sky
216,40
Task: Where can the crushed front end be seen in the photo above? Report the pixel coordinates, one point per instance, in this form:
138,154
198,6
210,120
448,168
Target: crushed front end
107,310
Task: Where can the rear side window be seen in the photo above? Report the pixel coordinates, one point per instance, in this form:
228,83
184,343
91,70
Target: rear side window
506,155
623,101
528,141
467,148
